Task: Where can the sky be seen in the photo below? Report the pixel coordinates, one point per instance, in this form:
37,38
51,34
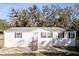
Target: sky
5,8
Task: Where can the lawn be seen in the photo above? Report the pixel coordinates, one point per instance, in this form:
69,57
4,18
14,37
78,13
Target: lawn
72,51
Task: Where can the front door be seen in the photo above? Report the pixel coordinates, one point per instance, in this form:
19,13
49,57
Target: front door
34,43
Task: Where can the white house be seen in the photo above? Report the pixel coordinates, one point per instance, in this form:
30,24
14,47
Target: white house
38,37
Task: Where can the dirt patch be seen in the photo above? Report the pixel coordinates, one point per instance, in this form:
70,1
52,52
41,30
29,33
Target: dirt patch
16,52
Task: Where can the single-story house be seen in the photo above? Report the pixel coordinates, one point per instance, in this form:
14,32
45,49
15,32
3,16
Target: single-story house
38,37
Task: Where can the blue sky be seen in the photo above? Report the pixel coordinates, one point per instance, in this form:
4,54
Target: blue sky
6,7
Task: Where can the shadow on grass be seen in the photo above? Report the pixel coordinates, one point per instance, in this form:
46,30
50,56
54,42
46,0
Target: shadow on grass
76,49
19,54
72,51
61,54
29,54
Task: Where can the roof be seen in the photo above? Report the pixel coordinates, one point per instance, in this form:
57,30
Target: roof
28,29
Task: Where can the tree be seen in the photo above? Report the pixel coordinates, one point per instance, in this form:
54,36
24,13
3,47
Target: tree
3,25
75,18
19,18
65,17
48,16
35,16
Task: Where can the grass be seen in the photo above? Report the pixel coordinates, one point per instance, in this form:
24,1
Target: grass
42,54
61,54
72,51
18,54
54,54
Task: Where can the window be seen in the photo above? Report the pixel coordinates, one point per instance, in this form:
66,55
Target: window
71,35
18,35
36,33
43,35
49,35
61,35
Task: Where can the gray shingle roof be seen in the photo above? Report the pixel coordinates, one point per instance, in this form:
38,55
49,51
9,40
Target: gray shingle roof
28,29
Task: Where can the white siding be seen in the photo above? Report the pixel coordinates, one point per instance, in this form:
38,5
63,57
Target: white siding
11,41
64,42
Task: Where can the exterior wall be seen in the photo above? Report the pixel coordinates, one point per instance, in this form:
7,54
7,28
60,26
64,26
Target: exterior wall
63,42
40,40
8,38
55,41
44,41
11,41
